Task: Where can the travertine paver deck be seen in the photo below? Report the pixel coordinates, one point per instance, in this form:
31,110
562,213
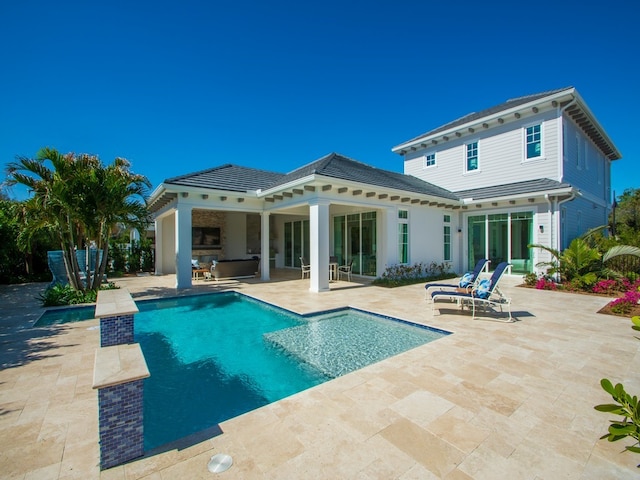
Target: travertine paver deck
491,401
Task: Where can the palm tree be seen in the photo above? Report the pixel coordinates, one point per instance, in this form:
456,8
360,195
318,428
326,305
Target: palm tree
80,199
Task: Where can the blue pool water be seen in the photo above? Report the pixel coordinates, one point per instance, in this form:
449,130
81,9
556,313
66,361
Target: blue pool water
213,357
65,315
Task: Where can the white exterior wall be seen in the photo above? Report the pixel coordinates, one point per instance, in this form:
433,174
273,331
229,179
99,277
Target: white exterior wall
584,166
426,236
501,156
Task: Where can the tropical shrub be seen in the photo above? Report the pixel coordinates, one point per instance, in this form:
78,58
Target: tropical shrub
626,406
531,279
581,264
398,275
59,295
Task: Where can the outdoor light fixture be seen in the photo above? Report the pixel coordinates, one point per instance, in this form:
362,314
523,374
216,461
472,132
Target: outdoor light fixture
541,228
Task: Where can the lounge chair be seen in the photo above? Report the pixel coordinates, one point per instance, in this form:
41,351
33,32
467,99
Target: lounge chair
485,294
468,280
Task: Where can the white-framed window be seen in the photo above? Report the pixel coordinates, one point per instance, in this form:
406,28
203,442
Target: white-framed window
430,160
447,238
472,156
403,236
533,142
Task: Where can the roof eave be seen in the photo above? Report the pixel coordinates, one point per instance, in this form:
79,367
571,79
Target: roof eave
519,196
487,118
592,118
286,186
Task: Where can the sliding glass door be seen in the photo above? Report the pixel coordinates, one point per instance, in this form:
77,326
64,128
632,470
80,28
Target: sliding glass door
296,242
502,237
355,238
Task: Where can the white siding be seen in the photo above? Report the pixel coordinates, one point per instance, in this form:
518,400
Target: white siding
584,165
426,234
501,156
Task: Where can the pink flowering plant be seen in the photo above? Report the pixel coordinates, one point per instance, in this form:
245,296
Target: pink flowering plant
623,305
546,284
607,287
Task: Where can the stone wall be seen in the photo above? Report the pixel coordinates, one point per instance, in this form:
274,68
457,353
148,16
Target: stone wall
209,218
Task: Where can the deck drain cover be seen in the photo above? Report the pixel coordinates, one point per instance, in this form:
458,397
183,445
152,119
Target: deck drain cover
219,463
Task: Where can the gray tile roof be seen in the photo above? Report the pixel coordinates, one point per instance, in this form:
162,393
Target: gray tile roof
514,102
343,168
518,188
228,177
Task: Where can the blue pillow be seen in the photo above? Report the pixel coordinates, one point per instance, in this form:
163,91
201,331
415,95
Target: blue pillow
482,290
466,280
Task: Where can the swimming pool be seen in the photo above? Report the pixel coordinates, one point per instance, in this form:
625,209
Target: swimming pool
216,356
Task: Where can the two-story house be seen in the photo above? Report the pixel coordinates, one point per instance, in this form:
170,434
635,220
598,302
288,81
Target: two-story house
535,169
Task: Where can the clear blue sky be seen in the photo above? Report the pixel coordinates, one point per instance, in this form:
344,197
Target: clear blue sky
177,87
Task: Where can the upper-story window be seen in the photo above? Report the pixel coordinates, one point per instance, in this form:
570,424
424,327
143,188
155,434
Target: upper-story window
430,160
533,143
472,156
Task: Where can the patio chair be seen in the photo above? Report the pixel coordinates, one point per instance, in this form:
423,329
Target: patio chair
468,280
345,270
305,267
484,294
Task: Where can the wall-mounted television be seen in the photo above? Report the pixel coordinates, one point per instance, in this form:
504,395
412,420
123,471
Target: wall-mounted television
205,237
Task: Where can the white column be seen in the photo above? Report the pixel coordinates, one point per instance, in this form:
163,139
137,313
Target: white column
159,254
391,236
183,246
264,248
319,238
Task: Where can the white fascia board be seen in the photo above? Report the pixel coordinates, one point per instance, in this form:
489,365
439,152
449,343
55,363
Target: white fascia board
488,118
558,191
159,190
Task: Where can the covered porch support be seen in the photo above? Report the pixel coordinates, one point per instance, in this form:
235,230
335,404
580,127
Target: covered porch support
319,244
264,247
183,245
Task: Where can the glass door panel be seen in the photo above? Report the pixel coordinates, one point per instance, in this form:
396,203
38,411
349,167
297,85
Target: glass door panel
338,240
498,239
369,244
288,245
297,243
353,243
521,236
476,239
